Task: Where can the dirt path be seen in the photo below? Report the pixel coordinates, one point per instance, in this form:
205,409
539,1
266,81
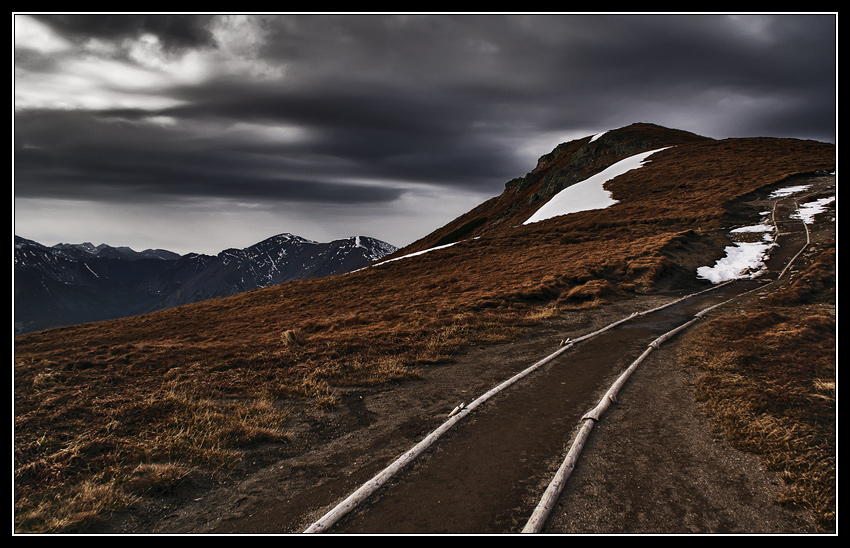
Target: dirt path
487,474
651,465
661,472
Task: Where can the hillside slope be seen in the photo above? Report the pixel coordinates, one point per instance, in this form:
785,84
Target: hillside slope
566,165
94,402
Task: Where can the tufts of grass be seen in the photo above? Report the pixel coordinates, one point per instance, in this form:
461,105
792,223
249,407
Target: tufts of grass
768,383
84,465
462,231
292,337
68,511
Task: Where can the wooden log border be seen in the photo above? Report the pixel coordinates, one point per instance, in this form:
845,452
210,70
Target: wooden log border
458,413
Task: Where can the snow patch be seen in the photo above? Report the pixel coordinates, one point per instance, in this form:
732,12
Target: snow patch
598,135
807,212
788,191
414,254
743,260
589,194
764,227
90,270
746,259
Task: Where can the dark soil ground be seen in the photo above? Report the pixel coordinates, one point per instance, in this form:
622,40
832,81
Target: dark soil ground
653,464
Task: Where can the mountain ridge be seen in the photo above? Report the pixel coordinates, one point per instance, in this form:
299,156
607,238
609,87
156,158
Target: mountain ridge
67,284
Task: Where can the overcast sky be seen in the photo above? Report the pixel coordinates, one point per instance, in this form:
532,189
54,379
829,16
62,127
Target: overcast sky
203,132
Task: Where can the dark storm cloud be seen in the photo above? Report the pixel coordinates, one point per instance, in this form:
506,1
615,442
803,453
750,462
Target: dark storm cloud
614,70
383,131
555,72
85,157
380,102
174,31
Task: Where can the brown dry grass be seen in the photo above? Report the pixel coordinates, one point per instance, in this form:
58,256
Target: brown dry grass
106,412
768,383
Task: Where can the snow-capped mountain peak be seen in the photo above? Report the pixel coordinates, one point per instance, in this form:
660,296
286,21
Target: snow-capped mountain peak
76,283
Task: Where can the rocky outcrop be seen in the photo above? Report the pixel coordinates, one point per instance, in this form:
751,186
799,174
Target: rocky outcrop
575,161
566,165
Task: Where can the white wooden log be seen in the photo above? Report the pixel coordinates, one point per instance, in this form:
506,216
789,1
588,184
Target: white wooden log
556,486
365,490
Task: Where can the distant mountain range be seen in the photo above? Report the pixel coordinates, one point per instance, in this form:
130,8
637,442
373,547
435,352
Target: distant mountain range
68,284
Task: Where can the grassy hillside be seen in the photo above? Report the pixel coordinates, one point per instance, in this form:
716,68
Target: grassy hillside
108,412
768,381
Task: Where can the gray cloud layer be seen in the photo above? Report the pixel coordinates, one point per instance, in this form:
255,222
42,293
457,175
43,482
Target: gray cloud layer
175,31
361,109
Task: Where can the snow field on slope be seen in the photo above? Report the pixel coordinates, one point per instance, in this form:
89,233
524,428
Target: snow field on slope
743,260
589,194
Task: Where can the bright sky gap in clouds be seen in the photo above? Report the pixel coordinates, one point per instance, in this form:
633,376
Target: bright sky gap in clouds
200,132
